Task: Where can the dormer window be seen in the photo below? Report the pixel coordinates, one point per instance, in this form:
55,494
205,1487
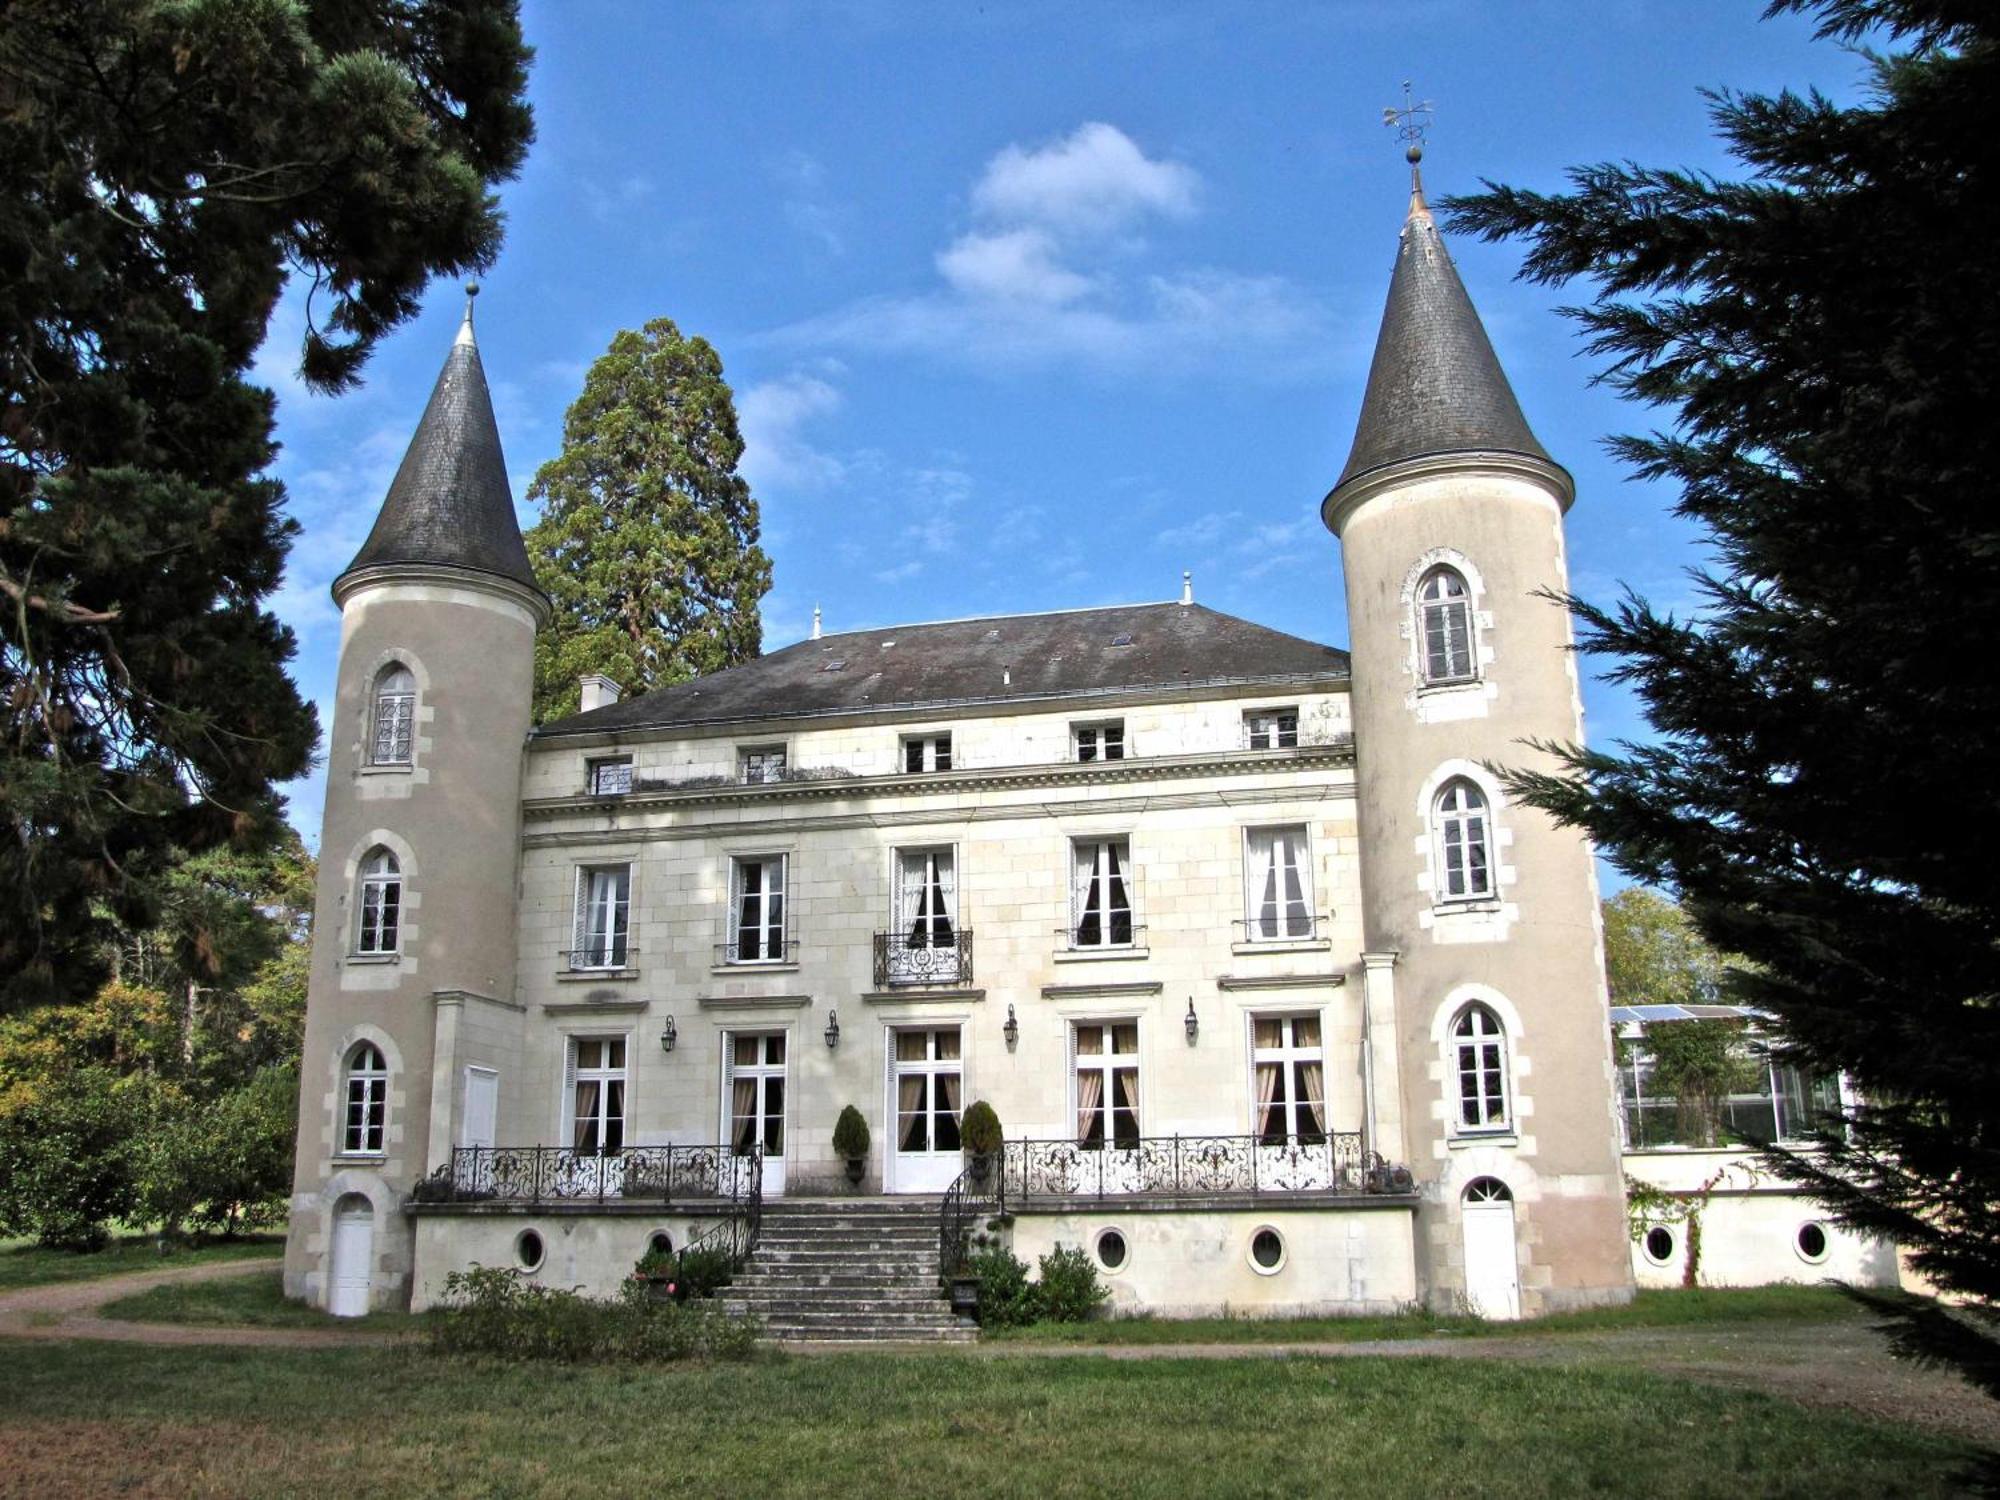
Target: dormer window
1444,622
1104,741
393,713
609,777
1271,728
757,765
927,752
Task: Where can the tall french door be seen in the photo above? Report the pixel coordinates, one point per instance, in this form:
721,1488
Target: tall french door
753,1098
926,1097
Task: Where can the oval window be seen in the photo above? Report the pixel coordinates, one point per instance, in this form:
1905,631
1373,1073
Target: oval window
529,1250
661,1243
1659,1244
1111,1249
1267,1250
1811,1242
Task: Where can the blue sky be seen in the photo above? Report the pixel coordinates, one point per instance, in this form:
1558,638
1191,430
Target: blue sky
1031,306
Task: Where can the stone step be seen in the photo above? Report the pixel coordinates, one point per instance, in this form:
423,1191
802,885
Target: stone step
838,1299
854,1255
861,1322
837,1279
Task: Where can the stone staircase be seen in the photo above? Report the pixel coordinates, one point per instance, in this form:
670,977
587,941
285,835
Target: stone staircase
848,1270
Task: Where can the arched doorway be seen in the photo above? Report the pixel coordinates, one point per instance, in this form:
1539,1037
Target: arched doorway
350,1277
1492,1272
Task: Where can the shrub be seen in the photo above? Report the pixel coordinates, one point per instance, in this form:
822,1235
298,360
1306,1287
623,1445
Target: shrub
850,1134
496,1312
703,1270
1006,1297
1068,1288
226,1163
979,1129
66,1158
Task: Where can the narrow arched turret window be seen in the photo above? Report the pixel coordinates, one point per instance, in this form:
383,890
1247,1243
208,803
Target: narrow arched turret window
393,712
380,904
1480,1054
365,1102
1464,833
1444,622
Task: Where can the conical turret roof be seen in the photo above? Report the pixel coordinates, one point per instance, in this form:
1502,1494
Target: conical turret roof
1435,386
450,505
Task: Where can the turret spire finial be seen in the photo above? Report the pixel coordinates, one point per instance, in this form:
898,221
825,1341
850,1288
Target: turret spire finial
1412,123
465,327
815,622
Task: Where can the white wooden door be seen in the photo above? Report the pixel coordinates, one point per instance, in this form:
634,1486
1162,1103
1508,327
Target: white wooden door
1492,1273
482,1107
926,1098
353,1255
753,1099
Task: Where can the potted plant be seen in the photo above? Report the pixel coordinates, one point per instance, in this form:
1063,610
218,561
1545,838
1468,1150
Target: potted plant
979,1132
657,1271
850,1140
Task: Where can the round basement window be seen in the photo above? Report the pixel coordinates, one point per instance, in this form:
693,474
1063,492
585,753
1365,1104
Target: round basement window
661,1243
529,1250
1267,1252
1811,1243
1659,1244
1112,1251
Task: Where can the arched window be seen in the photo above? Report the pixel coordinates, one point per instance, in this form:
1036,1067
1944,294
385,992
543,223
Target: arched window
380,929
1464,842
1444,621
394,710
1480,1054
367,1101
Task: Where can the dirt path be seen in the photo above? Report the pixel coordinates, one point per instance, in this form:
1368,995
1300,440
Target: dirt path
1843,1364
69,1310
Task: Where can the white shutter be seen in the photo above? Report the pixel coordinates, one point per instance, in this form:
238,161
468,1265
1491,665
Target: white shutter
566,1106
909,888
580,935
1083,868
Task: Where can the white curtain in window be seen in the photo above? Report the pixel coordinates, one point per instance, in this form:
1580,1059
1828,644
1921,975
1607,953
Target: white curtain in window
1278,884
1100,903
927,897
602,914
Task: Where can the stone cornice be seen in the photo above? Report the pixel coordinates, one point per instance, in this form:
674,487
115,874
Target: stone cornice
1343,500
382,575
1278,981
1139,770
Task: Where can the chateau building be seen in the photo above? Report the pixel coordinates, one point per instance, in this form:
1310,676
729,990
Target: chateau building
1283,1003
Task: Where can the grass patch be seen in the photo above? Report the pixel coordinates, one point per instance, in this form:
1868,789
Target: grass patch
24,1263
1705,1307
254,1301
102,1418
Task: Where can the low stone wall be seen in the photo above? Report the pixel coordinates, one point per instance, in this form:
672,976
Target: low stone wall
591,1250
1190,1262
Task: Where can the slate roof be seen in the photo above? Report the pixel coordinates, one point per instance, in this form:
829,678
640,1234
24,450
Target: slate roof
450,505
1071,653
1435,385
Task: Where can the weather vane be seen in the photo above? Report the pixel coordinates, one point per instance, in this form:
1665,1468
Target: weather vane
1411,123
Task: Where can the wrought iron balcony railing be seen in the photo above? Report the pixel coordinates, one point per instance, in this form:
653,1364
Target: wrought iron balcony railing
1194,1166
1277,928
558,1174
749,949
901,958
1108,934
609,954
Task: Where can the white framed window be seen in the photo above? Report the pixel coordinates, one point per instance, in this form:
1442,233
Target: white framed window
1271,728
759,764
379,905
392,716
1277,884
927,752
757,909
1444,626
1100,894
756,1068
1479,1055
1287,1080
1101,741
926,898
1105,1068
929,1087
594,1095
610,776
603,917
1464,833
365,1102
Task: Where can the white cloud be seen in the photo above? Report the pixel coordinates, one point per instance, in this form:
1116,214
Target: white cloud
808,206
1014,265
775,452
1094,181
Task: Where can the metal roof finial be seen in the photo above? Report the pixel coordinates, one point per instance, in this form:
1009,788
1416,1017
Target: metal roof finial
465,327
1411,123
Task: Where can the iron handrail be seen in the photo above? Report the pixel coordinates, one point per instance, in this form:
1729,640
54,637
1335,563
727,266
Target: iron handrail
1184,1166
563,1174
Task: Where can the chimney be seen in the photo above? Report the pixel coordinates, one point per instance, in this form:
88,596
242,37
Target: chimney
815,622
598,691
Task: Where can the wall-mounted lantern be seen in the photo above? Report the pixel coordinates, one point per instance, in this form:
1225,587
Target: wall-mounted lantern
669,1034
832,1028
1012,1030
1193,1025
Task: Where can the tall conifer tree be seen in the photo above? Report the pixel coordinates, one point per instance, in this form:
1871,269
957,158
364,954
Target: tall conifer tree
164,166
1824,794
648,538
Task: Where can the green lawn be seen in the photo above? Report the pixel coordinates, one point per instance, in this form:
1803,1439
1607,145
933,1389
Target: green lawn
84,1418
24,1263
253,1301
1665,1309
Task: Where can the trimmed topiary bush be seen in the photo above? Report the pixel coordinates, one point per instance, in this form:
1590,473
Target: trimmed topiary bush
979,1129
850,1134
